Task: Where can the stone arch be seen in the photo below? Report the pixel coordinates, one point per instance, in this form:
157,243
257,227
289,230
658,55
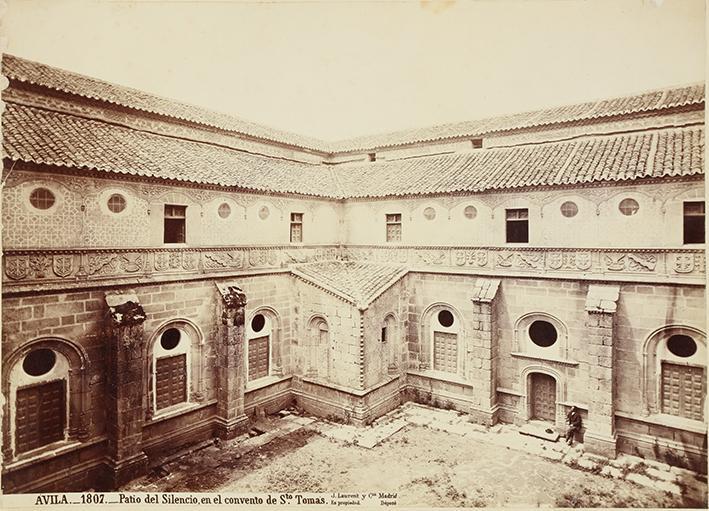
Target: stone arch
655,353
271,329
77,394
392,343
427,339
527,374
318,356
194,361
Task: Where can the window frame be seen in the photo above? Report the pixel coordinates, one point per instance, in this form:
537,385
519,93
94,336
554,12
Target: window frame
268,331
189,339
393,220
175,217
296,226
513,222
688,216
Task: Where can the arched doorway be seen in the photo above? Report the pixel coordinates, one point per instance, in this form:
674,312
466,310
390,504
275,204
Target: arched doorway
542,397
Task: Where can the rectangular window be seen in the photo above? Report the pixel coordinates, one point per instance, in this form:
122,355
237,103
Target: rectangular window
170,381
258,358
384,334
517,226
694,222
174,231
296,227
41,415
394,227
445,352
683,389
477,143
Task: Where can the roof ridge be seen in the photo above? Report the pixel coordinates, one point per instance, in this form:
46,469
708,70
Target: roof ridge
534,118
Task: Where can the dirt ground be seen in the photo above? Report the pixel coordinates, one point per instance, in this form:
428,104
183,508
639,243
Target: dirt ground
423,466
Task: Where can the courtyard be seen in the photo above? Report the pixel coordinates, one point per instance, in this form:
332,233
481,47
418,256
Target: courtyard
426,457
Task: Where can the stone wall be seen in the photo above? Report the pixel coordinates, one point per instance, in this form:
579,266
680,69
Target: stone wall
598,223
334,357
80,216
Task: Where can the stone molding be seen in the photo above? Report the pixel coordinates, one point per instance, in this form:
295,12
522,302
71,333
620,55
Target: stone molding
26,269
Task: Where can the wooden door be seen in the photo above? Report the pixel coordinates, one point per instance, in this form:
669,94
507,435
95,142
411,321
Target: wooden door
543,397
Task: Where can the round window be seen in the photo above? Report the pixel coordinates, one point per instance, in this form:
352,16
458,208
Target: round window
682,346
569,209
39,362
470,212
41,198
628,207
429,213
263,212
445,318
170,339
116,203
258,322
542,333
224,210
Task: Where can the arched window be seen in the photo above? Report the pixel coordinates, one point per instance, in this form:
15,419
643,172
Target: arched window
443,327
675,372
47,387
259,333
175,373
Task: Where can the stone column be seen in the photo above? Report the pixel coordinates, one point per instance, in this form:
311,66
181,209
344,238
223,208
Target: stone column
481,355
125,412
231,420
600,436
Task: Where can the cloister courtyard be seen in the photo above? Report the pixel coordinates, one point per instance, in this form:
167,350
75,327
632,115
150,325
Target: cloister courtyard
420,456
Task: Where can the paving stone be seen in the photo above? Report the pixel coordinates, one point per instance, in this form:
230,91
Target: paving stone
611,471
586,463
552,455
303,421
663,475
641,479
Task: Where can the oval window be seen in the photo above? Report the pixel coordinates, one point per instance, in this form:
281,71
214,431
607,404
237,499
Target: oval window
470,212
39,362
42,198
445,318
429,213
569,209
263,212
116,203
224,210
682,346
542,333
170,339
628,207
258,322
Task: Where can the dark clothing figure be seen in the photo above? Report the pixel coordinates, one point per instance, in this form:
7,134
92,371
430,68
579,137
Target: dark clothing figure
573,418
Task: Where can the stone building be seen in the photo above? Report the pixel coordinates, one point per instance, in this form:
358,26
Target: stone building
170,272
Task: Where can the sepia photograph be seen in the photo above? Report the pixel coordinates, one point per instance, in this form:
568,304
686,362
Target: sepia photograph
328,254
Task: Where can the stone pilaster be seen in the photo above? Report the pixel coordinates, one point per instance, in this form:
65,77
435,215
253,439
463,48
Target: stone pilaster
230,364
600,436
481,361
125,412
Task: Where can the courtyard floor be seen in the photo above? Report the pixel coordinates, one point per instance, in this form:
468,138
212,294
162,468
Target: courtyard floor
427,457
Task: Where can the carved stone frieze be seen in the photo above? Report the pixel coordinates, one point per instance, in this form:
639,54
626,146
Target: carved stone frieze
29,265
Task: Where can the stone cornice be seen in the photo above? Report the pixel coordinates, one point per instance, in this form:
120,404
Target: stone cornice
33,270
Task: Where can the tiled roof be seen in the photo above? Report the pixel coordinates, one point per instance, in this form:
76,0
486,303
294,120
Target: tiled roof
650,101
677,152
73,83
58,79
41,136
358,283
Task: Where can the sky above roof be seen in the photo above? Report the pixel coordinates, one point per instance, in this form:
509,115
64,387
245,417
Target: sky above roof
336,70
